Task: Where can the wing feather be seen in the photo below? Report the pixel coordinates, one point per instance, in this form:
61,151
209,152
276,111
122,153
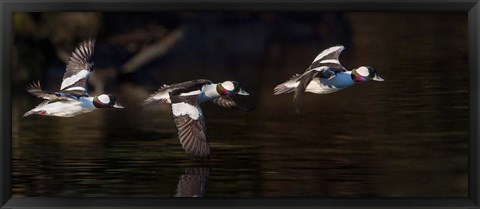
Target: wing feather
192,136
329,58
228,102
305,79
36,90
163,94
190,124
79,67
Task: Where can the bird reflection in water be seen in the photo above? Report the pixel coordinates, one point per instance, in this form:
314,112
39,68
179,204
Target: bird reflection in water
193,182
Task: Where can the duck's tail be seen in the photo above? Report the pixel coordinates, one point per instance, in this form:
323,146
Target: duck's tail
160,96
37,110
287,86
31,112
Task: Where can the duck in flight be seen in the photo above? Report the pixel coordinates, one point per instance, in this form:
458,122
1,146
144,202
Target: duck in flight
73,98
324,76
185,99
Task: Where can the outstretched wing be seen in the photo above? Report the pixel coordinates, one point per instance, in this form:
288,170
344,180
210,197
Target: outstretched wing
36,90
305,79
163,94
189,86
228,102
78,69
325,65
328,58
193,182
188,118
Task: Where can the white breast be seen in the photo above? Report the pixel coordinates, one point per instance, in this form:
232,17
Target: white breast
67,109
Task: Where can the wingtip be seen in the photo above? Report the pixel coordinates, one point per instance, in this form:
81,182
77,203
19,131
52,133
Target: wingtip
296,101
296,106
34,85
88,44
89,41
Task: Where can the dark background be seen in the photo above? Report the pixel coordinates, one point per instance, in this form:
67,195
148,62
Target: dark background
405,137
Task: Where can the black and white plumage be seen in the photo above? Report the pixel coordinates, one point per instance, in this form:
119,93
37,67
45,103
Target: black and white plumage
325,75
78,70
193,182
185,99
190,123
73,98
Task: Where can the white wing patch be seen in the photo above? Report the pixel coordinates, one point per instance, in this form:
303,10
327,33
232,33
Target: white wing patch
183,108
191,93
74,78
328,51
330,61
104,99
75,88
363,71
317,69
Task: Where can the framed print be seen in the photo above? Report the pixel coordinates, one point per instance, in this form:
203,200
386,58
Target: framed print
240,104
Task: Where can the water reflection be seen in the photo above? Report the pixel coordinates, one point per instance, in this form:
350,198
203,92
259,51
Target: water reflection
406,137
193,182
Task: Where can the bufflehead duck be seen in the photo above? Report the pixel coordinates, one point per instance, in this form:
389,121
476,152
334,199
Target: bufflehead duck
185,99
73,98
325,75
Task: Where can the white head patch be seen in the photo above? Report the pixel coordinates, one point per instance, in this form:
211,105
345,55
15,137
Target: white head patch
105,99
183,108
228,85
363,71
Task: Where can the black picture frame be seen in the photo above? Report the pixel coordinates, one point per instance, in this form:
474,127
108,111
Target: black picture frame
472,7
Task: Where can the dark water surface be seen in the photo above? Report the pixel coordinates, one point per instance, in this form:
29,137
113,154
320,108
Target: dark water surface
405,137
